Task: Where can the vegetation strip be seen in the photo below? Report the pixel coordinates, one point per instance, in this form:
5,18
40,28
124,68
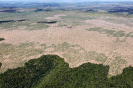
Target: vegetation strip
111,32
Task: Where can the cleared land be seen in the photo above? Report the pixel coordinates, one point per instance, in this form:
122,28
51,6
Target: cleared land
77,36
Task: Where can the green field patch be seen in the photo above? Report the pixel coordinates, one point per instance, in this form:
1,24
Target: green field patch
119,34
74,53
98,29
16,53
130,34
63,47
26,25
94,15
116,65
27,44
126,21
101,58
43,46
110,32
37,27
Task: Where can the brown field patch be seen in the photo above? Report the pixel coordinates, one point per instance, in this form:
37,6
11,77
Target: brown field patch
76,45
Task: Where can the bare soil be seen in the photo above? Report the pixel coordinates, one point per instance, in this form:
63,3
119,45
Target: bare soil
90,41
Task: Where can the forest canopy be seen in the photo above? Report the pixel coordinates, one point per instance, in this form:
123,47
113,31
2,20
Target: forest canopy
0,64
2,39
51,71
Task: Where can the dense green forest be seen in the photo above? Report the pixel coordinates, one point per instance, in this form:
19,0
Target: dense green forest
0,64
2,39
50,71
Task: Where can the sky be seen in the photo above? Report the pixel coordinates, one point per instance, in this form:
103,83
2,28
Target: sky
65,0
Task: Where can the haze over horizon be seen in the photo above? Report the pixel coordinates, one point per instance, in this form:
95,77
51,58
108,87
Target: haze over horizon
73,1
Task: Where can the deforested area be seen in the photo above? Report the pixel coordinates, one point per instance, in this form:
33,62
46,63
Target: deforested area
98,33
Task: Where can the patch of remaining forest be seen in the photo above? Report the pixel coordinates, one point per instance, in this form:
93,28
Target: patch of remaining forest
50,71
2,39
12,21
